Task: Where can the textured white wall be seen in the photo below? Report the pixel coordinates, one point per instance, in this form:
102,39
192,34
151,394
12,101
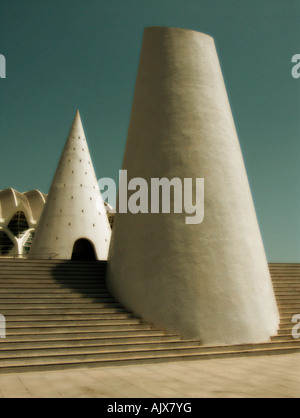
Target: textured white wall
208,281
74,208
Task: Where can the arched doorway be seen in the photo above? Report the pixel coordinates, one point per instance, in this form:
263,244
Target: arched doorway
83,250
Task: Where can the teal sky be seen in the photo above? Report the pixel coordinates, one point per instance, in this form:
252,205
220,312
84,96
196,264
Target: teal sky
64,55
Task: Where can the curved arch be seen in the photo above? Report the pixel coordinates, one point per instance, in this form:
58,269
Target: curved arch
18,224
8,202
27,241
36,200
83,249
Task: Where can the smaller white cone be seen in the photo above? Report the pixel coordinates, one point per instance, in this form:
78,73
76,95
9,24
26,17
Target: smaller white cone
74,208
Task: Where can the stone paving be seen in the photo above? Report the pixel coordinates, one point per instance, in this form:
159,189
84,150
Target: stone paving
268,377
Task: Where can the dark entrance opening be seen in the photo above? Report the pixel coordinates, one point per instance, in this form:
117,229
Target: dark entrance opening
83,250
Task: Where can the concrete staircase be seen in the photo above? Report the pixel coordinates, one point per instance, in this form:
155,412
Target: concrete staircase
61,316
286,283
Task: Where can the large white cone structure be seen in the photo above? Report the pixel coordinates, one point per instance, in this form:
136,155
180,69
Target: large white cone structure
74,207
208,281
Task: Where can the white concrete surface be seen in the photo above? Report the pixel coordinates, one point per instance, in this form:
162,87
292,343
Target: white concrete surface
248,377
208,281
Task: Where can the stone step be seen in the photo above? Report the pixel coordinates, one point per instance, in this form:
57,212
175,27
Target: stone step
283,286
51,287
40,310
60,282
85,340
54,299
285,328
133,357
284,267
90,318
286,318
285,275
108,348
126,341
50,271
287,325
286,287
12,268
26,261
54,293
284,337
290,280
287,321
287,311
275,273
65,317
295,272
75,334
271,264
12,325
92,349
62,305
50,266
64,293
53,276
55,264
71,329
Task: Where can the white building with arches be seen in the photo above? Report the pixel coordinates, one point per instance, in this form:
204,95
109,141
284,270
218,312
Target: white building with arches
19,216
